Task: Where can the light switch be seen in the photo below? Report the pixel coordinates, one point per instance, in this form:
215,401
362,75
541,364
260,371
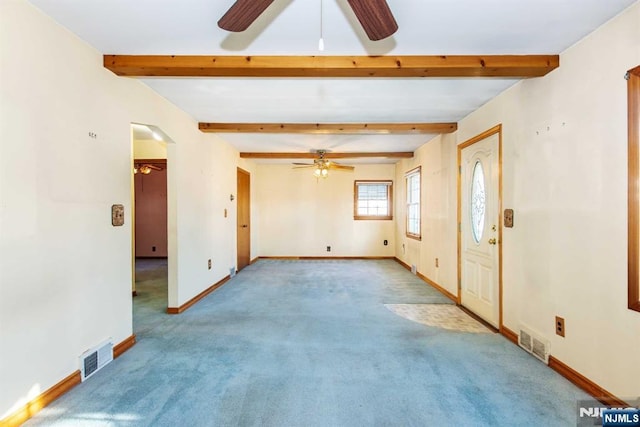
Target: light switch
117,215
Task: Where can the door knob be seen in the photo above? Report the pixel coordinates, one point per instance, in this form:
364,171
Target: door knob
492,241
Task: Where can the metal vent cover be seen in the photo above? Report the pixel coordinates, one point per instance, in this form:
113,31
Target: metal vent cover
540,350
525,340
94,359
534,343
90,364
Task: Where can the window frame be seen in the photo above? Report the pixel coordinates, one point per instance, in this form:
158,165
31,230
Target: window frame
387,183
407,176
633,96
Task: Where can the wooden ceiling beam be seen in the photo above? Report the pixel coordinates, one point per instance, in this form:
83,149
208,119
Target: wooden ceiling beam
507,66
331,128
391,155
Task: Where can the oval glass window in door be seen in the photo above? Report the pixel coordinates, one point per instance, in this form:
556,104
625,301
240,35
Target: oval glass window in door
478,202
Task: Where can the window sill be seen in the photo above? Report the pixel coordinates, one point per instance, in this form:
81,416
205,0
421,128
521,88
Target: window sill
414,236
373,218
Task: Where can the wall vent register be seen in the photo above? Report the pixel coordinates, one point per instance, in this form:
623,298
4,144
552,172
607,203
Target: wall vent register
96,358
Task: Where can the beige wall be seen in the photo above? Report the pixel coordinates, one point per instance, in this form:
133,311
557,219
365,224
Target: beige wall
565,174
149,149
65,272
565,171
301,216
437,159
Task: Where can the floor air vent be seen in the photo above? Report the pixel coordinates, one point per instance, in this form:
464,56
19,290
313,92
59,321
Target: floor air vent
92,360
534,344
525,340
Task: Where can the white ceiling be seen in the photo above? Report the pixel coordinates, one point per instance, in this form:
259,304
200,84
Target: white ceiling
292,27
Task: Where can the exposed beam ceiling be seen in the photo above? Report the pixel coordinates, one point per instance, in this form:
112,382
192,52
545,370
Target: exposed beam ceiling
394,155
330,128
494,42
516,66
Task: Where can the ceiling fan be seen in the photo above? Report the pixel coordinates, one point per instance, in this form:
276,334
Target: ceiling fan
374,15
322,165
145,168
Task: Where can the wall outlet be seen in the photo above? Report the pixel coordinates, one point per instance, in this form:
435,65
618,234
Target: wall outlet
153,248
209,264
560,326
328,248
437,263
385,242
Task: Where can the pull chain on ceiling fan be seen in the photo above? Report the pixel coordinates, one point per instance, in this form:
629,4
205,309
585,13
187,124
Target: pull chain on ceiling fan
375,16
321,42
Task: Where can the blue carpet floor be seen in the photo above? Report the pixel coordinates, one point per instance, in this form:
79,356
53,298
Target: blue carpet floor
310,343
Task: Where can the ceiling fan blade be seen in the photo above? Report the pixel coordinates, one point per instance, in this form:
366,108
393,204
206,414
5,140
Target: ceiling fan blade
303,167
242,14
154,167
342,167
376,18
303,164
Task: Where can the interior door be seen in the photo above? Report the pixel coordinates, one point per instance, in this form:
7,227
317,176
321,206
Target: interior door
244,219
480,205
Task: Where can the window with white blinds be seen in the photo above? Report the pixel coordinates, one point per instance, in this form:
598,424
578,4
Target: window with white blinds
373,200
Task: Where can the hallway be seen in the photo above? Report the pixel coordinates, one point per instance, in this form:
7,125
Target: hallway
150,303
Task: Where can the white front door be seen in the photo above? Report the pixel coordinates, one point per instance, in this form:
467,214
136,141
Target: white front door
479,228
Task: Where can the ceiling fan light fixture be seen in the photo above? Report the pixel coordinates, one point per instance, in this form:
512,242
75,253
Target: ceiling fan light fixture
321,166
146,168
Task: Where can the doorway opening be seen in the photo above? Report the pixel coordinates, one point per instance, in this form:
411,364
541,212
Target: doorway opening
150,225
